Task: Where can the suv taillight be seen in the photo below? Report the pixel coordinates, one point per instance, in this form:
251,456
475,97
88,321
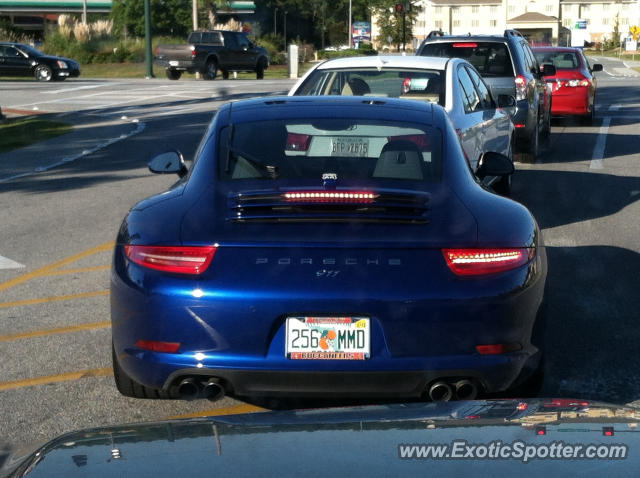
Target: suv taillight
521,87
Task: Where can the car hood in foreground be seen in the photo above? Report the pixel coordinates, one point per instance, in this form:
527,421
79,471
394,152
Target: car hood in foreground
359,441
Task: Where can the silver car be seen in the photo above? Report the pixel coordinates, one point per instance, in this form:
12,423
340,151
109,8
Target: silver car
478,118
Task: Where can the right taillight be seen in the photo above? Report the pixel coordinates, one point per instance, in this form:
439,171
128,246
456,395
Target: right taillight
190,260
474,262
521,87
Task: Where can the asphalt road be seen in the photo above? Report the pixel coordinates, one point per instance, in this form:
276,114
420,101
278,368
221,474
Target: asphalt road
59,223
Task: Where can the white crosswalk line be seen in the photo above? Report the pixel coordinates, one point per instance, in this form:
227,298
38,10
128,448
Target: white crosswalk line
6,263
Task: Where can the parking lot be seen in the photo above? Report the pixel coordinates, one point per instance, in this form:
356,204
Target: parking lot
59,219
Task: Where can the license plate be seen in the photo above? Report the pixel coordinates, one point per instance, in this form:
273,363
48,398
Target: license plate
173,63
349,146
327,338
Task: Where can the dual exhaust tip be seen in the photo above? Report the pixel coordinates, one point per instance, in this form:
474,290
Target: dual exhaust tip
191,388
442,391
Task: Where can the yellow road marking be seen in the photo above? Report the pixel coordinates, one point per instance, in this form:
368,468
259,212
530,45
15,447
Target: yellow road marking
57,298
59,330
79,270
63,377
233,410
55,265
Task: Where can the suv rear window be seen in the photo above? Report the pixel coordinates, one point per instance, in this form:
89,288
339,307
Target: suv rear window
489,58
562,60
351,149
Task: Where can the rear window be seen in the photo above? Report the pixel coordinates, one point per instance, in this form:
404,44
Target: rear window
347,150
422,85
561,60
489,58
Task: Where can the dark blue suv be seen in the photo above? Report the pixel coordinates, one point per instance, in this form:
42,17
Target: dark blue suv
509,67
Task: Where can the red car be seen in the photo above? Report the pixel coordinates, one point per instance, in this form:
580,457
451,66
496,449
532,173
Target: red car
573,86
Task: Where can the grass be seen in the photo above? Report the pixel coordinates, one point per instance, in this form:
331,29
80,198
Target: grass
613,54
20,132
138,70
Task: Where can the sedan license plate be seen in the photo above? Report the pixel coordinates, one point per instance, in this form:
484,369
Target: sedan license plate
350,146
328,338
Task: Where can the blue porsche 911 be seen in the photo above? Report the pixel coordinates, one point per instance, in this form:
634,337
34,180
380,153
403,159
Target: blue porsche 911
324,246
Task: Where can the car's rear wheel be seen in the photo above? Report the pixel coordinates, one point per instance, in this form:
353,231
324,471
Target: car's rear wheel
503,186
43,73
260,70
129,387
225,74
546,131
590,118
210,70
534,143
173,74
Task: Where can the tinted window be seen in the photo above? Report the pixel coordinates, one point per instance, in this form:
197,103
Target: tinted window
354,150
422,85
560,59
489,58
483,92
470,96
243,41
195,37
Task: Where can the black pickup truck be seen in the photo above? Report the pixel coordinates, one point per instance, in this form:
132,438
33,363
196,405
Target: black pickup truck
210,52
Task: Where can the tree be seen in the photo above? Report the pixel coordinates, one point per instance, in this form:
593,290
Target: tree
168,17
616,31
390,22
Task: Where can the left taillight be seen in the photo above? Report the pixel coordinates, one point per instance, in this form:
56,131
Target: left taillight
474,262
190,260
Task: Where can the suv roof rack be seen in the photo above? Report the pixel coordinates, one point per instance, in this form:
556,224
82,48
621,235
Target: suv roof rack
513,33
435,33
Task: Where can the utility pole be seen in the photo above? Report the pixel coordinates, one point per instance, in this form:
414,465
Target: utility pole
349,28
275,21
147,39
84,12
194,14
285,31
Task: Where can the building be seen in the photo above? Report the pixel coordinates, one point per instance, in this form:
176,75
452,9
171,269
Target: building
542,21
33,15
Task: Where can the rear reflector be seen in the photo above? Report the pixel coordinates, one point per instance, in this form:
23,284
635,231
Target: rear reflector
297,142
421,140
182,260
465,45
496,349
472,262
519,125
156,346
334,197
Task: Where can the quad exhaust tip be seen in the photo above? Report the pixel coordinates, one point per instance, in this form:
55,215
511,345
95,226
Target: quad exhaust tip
440,392
191,388
462,389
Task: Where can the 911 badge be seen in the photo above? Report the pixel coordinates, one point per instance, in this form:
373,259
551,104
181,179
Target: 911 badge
329,180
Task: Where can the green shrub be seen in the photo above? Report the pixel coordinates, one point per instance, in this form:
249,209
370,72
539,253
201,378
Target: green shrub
346,53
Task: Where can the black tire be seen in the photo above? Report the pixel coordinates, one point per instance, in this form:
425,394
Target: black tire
503,186
43,73
225,74
589,119
210,70
534,143
173,74
260,70
129,387
546,131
